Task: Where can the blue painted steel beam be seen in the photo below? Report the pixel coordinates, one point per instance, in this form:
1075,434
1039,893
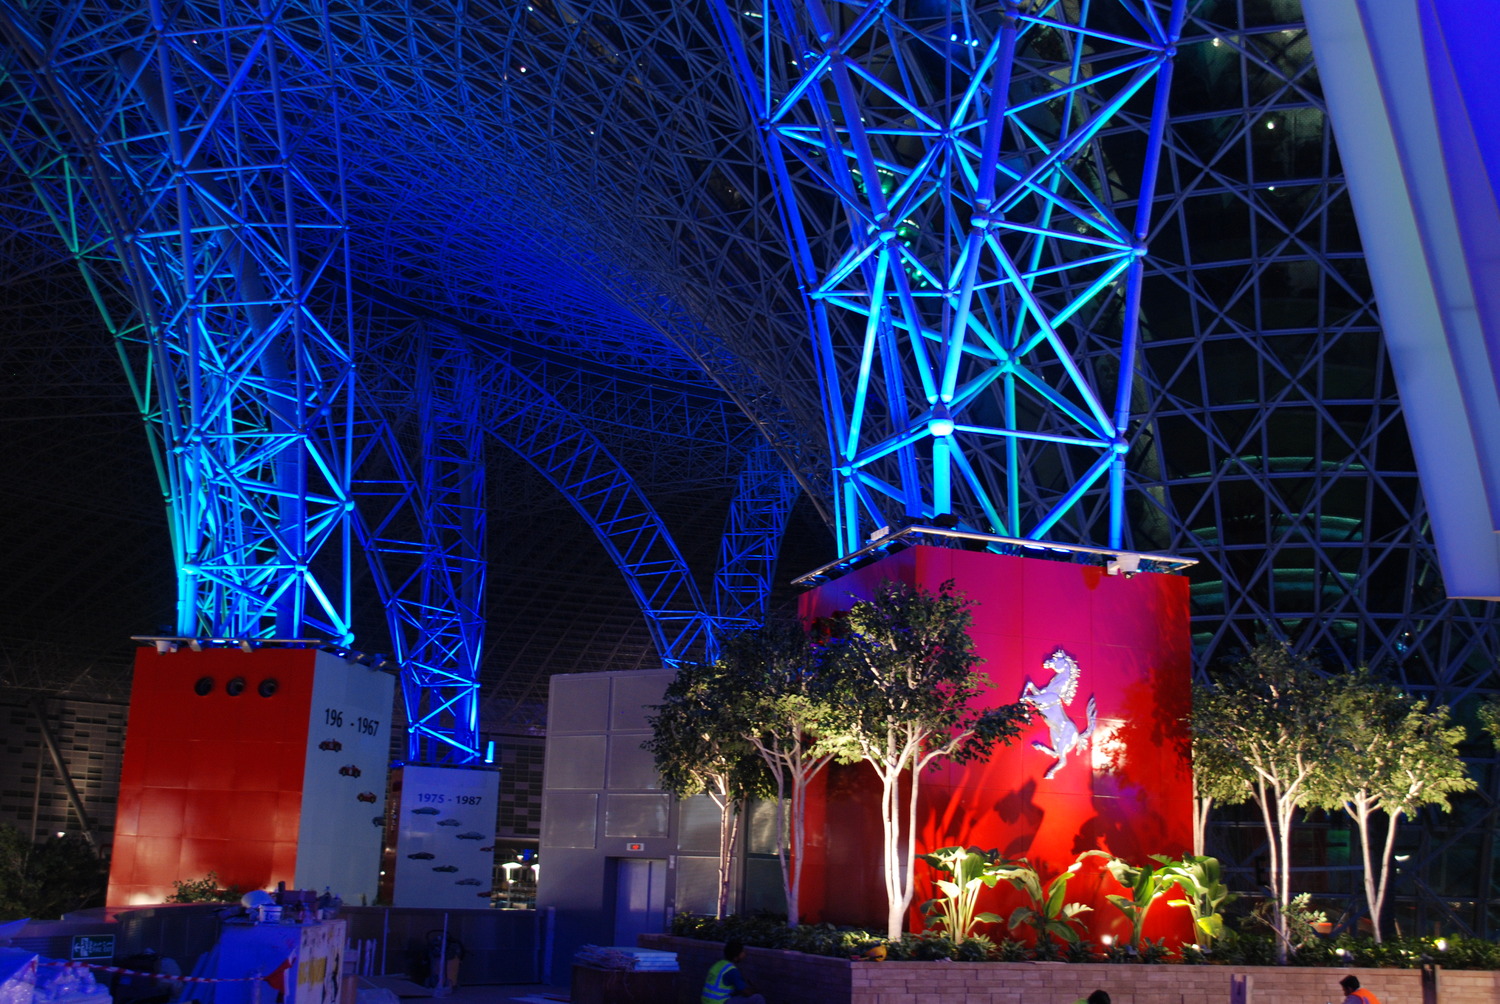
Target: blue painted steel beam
763,500
525,417
227,219
947,203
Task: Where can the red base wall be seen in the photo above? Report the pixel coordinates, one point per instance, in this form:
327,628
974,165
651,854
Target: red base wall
1128,793
211,782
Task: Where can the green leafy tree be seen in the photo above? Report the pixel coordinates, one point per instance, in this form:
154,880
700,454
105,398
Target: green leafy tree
1392,754
787,702
699,745
966,870
908,689
1268,721
47,879
1488,713
1220,777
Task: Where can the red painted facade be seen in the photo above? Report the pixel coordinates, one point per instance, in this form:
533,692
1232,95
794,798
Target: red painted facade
211,782
263,767
1128,793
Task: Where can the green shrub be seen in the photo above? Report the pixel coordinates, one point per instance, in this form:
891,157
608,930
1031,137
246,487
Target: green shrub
204,890
1011,950
1240,948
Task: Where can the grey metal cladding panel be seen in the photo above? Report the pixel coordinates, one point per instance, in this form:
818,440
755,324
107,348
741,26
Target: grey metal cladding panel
697,827
763,889
636,816
575,762
634,694
579,704
697,884
630,766
760,833
570,819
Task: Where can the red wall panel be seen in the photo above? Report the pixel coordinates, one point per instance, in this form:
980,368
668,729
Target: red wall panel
211,781
1128,793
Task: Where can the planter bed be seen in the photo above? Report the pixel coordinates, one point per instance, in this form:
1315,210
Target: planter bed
795,978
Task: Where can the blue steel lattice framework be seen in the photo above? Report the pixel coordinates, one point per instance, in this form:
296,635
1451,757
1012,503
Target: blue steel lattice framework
1273,446
440,675
423,531
283,472
182,152
951,218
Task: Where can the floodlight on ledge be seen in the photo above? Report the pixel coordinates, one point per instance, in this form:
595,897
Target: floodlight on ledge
1115,561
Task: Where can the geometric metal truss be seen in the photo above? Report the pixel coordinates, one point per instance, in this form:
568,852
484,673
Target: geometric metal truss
424,536
1272,446
953,218
182,158
746,570
510,405
440,675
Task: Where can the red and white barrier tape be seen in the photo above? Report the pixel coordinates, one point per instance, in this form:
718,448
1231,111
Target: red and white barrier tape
153,976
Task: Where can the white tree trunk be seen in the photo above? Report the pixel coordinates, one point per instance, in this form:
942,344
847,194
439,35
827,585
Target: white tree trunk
1268,805
781,843
729,832
798,841
1200,823
890,812
1387,853
1359,811
1285,808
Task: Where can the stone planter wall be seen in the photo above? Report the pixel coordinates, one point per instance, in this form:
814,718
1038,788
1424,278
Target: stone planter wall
794,978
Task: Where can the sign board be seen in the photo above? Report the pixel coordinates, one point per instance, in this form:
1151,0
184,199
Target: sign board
445,844
87,947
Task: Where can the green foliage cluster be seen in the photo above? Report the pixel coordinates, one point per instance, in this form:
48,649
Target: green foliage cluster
765,931
1275,730
1200,880
1238,948
1048,914
46,880
203,890
963,870
890,682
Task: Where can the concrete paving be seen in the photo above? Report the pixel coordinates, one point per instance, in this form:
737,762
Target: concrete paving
411,993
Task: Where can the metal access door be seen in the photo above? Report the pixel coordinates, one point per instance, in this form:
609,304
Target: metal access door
640,898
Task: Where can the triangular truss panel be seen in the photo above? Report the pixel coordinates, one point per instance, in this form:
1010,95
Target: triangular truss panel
954,217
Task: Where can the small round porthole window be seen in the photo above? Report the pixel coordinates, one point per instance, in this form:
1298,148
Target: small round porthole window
267,687
235,687
204,686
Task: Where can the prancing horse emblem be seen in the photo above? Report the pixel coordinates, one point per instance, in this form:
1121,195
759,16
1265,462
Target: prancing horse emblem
1051,703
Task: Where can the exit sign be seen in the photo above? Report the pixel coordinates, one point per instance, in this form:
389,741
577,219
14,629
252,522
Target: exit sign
635,847
93,946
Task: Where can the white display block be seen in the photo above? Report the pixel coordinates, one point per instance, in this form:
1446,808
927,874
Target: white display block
348,747
445,838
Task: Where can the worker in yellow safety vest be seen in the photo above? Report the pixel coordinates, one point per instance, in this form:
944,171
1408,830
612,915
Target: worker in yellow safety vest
724,979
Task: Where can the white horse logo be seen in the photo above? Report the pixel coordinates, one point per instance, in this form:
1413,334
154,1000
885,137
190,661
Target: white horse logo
1051,703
